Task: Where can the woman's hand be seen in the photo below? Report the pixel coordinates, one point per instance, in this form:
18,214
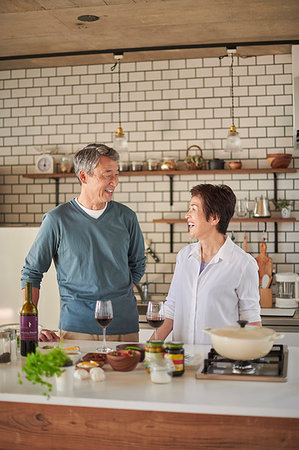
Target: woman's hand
48,336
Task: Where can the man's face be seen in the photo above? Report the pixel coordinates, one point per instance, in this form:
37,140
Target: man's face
103,180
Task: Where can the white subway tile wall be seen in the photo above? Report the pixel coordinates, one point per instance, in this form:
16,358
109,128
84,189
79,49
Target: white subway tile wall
166,107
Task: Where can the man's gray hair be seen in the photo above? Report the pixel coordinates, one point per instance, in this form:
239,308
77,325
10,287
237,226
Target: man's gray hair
87,158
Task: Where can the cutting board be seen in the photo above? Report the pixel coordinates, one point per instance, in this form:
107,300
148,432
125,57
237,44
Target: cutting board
264,262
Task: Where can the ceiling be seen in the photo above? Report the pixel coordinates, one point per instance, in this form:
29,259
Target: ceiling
144,29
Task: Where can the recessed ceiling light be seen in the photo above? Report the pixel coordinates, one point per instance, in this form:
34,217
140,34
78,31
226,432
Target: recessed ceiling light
88,18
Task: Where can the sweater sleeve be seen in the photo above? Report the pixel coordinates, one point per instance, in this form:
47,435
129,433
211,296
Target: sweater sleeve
136,254
40,256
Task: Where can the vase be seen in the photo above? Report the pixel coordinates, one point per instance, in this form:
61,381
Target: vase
286,212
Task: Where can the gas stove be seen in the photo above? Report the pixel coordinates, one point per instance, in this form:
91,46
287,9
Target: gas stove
272,367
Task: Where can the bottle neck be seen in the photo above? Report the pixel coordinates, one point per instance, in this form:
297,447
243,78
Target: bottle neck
28,292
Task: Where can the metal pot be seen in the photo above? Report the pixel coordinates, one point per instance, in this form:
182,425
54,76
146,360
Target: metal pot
216,164
242,343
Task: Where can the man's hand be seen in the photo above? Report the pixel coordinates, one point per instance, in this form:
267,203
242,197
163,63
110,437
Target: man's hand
48,336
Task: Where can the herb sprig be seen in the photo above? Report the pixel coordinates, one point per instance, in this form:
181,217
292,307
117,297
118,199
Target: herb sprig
39,365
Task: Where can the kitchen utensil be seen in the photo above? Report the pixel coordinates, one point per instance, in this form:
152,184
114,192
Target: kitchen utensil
245,243
265,281
216,164
287,290
261,208
194,162
279,160
264,262
244,342
149,250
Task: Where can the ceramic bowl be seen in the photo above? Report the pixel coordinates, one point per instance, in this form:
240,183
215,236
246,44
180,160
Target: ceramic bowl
235,165
279,160
123,360
134,346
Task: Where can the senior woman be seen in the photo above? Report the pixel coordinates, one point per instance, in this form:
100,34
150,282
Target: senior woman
215,283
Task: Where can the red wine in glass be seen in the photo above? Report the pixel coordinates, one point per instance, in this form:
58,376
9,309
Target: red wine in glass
155,315
104,315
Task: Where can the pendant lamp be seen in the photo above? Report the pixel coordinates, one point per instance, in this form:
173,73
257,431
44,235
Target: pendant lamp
233,141
120,142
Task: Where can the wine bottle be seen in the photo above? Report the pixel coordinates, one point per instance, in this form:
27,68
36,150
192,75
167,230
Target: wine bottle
28,323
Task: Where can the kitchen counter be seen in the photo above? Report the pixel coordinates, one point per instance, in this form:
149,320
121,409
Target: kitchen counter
281,323
185,405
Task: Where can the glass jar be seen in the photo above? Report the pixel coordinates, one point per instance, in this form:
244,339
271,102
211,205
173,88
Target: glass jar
161,371
5,353
174,351
67,164
154,351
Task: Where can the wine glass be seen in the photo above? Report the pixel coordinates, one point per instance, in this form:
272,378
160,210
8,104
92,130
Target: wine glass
155,315
104,315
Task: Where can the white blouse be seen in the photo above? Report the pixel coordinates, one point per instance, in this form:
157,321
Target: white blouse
225,291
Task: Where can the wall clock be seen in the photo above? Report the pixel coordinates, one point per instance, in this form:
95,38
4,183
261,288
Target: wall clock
44,164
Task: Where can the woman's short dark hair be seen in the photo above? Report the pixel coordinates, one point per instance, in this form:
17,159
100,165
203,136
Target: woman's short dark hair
87,158
217,200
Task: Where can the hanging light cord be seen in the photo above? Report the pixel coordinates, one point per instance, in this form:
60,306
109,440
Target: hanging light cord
119,90
232,89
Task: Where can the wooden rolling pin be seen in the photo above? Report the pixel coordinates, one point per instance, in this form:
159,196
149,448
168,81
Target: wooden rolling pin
245,243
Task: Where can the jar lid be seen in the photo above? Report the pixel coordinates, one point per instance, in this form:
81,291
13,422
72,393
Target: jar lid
154,343
174,344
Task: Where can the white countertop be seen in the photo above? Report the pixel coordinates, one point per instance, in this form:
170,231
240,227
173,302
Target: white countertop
134,390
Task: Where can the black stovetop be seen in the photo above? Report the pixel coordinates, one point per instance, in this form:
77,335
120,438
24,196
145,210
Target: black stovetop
272,367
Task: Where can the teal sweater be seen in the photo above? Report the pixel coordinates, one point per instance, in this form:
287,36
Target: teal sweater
94,259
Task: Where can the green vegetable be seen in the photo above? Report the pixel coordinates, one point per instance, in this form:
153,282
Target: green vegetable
138,349
39,365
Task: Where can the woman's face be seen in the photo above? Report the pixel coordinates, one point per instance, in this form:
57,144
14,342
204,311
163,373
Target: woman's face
199,227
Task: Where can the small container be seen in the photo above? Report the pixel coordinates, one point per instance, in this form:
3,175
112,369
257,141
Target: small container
153,164
136,166
154,351
67,164
123,166
5,352
174,351
13,343
161,371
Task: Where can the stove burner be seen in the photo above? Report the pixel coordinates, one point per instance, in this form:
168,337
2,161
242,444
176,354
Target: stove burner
243,367
272,367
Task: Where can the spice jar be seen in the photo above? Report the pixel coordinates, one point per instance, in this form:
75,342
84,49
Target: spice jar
174,351
154,351
5,354
67,164
161,371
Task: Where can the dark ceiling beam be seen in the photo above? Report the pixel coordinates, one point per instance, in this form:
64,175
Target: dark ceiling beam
150,49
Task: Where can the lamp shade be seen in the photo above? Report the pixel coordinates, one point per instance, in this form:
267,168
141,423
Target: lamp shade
233,141
120,144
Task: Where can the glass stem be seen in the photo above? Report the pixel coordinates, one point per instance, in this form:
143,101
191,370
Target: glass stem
104,339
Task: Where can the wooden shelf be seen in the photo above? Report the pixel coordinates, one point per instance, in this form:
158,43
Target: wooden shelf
171,173
167,172
234,219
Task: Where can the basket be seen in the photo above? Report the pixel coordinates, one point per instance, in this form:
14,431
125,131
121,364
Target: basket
195,162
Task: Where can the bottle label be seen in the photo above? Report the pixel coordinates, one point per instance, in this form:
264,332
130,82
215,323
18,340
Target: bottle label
178,361
28,328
